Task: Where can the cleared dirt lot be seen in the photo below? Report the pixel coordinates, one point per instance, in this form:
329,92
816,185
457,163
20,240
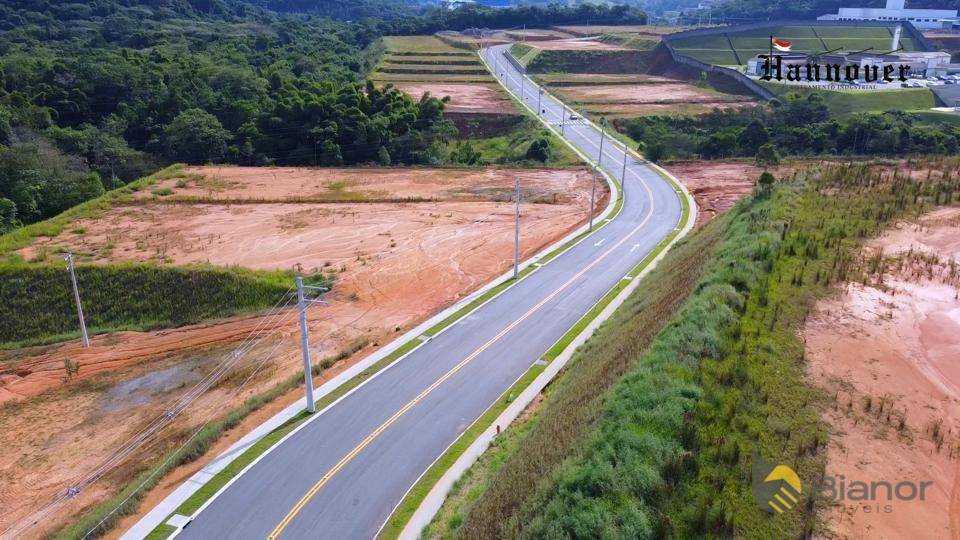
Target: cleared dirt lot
896,402
718,185
395,264
618,96
647,93
464,98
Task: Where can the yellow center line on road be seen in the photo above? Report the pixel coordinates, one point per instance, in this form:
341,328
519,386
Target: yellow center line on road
403,410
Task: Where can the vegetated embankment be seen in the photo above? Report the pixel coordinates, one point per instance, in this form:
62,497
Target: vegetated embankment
38,299
586,57
671,449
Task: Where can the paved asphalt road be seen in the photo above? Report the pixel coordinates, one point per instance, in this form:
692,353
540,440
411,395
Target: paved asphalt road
342,474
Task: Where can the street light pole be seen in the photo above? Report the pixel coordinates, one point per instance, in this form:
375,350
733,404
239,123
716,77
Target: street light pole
623,174
593,196
76,298
602,136
516,229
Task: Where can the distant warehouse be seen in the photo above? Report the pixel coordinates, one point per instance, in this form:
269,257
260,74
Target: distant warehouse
926,19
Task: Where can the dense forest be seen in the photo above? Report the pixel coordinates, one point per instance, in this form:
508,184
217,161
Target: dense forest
97,94
797,126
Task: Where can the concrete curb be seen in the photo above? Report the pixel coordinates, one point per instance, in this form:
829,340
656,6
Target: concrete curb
159,513
438,494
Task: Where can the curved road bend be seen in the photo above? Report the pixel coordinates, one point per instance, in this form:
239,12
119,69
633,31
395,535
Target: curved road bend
342,473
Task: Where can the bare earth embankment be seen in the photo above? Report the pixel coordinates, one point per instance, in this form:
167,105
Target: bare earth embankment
717,185
888,353
394,263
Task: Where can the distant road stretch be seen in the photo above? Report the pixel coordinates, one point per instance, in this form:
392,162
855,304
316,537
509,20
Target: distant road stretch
343,472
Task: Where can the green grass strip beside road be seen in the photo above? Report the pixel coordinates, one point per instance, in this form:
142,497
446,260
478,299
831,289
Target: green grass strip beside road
208,490
414,498
220,479
419,491
564,342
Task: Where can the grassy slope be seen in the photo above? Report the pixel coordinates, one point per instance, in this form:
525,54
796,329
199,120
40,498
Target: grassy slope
670,454
38,299
573,402
849,102
509,149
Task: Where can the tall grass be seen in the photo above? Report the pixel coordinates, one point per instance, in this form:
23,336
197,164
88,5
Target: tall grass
575,402
38,300
669,452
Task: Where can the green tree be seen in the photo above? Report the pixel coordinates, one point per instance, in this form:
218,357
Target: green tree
539,150
718,145
8,215
766,181
767,155
465,154
195,136
383,156
754,136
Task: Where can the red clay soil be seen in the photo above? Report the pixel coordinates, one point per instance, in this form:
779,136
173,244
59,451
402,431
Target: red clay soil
395,265
885,352
464,98
648,93
718,185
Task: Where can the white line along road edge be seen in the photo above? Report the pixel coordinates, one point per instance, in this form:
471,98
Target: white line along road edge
158,514
435,497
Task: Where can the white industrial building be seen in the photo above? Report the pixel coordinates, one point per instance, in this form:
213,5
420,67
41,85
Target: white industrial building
895,11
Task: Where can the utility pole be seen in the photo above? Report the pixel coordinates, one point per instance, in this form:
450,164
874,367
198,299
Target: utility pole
593,196
563,117
516,229
623,174
522,80
539,95
302,305
602,136
76,297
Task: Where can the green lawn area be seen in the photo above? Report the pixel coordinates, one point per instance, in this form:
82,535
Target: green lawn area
419,44
851,101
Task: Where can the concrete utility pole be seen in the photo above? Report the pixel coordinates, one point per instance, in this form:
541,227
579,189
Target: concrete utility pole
302,305
522,81
76,297
563,117
623,174
516,229
602,136
593,196
539,95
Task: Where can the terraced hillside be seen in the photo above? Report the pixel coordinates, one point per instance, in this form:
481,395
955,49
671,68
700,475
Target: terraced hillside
428,59
419,65
735,48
